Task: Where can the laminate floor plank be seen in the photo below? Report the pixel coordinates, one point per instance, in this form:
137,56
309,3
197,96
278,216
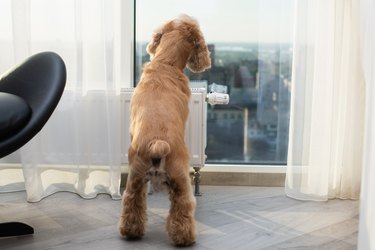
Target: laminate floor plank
227,218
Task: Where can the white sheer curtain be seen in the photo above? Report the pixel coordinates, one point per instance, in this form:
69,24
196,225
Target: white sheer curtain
366,237
79,149
327,102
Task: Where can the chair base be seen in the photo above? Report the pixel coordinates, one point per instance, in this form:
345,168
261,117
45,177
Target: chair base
9,229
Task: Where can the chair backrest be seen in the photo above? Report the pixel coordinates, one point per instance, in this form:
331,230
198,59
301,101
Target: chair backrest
40,82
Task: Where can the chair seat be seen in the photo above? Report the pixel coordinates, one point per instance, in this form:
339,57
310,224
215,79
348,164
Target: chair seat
14,114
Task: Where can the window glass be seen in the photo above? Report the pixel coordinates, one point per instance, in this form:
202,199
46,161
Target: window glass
251,53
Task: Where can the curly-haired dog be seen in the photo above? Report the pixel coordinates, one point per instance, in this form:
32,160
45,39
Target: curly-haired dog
159,110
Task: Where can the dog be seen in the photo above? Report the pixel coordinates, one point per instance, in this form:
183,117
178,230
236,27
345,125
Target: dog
158,113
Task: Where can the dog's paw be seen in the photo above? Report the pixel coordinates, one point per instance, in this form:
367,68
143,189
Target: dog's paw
181,231
184,242
131,228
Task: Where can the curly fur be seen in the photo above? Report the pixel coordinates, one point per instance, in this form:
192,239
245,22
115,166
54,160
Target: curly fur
159,110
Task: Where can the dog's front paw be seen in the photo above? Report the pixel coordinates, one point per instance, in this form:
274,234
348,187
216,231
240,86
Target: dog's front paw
181,230
131,227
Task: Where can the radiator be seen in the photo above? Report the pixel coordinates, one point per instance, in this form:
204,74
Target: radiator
195,133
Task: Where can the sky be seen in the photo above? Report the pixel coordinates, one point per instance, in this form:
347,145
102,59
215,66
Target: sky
222,20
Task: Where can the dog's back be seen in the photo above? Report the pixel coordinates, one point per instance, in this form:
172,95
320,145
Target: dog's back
159,110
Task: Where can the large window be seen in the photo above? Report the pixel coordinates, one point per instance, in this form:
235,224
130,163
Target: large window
251,52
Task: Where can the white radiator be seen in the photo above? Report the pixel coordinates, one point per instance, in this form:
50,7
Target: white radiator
195,134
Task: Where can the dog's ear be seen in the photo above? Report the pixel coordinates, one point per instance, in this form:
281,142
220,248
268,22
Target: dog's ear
199,59
153,44
156,37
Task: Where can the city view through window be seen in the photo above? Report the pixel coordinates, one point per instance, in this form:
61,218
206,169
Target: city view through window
254,69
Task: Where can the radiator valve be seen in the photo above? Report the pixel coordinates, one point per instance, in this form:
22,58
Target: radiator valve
214,98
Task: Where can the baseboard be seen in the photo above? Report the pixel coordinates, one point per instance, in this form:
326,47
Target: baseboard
235,179
243,179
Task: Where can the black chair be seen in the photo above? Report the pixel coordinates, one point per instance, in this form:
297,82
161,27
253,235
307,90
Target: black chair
29,94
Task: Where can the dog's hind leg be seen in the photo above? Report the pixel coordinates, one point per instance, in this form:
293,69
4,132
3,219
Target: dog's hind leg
181,222
134,215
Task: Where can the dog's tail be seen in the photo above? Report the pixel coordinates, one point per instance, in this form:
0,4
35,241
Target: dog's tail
158,149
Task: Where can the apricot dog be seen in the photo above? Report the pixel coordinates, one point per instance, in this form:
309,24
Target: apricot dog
159,110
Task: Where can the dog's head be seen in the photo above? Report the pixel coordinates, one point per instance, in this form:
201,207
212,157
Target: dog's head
182,39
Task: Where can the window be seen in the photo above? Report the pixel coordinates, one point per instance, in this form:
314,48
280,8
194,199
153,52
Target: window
251,52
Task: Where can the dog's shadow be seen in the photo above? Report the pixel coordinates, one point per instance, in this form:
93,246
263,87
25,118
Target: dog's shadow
155,238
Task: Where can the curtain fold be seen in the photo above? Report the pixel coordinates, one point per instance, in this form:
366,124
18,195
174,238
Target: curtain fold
366,233
79,149
327,102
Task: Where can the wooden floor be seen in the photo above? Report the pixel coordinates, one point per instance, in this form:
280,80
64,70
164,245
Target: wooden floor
227,217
